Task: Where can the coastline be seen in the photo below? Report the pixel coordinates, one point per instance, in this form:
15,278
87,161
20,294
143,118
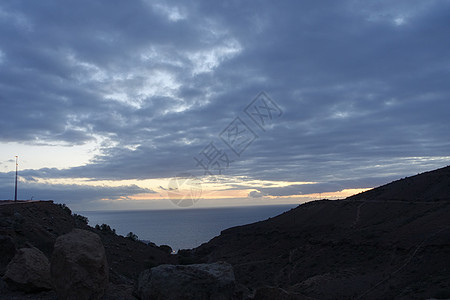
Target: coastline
182,228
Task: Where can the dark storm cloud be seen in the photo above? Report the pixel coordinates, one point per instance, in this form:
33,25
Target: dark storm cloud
363,85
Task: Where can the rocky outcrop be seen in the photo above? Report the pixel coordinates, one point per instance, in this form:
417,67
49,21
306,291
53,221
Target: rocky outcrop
200,282
29,271
7,252
79,268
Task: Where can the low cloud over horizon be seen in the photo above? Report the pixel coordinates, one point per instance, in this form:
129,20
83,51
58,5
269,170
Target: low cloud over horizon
108,100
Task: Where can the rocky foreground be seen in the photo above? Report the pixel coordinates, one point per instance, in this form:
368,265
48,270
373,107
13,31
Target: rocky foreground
31,237
392,242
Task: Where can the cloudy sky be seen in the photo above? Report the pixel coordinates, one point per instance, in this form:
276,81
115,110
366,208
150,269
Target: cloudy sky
123,104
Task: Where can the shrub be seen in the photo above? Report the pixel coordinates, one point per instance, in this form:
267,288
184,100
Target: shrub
80,218
105,228
166,248
132,236
65,208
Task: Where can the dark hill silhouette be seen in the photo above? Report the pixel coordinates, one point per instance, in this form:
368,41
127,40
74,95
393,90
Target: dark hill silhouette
428,186
392,242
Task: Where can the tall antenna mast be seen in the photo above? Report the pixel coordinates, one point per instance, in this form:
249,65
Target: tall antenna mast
15,191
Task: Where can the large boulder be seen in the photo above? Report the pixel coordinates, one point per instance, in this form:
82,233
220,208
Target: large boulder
175,282
79,268
29,271
7,252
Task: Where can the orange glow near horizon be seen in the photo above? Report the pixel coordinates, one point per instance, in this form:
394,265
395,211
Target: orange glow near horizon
230,188
243,194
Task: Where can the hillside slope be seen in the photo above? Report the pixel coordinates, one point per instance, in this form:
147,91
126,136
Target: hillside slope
387,243
38,224
428,186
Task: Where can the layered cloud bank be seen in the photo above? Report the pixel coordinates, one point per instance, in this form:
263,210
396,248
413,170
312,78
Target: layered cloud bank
119,97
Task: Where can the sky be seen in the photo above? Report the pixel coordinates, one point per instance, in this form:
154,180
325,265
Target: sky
169,104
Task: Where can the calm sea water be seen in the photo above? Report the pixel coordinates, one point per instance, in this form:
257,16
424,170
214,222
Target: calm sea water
182,228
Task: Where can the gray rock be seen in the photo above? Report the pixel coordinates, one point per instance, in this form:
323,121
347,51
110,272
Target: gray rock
79,268
7,252
29,271
200,282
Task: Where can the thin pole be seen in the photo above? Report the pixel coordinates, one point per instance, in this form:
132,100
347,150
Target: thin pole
15,192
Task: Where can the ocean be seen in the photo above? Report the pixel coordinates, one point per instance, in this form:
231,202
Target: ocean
182,228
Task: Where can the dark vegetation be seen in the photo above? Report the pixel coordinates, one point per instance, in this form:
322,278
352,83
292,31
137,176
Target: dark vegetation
105,228
132,236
